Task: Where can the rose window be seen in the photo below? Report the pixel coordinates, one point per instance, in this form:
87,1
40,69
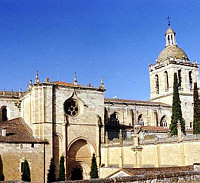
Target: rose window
71,108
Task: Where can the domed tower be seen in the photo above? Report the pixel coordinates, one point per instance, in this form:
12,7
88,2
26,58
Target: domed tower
173,59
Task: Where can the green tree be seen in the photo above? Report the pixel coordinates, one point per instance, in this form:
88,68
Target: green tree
94,170
196,114
26,176
51,177
176,110
62,169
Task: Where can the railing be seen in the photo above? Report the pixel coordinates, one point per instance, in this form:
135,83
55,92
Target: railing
156,140
191,137
11,93
159,140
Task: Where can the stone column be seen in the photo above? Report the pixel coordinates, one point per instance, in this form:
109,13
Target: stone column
137,149
121,149
158,155
179,131
107,150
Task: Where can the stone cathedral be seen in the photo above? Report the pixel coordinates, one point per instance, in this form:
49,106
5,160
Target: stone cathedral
54,119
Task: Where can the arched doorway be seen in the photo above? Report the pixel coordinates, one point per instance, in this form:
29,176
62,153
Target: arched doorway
79,158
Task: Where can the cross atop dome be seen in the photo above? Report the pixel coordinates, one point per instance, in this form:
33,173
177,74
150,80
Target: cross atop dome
171,50
168,18
170,36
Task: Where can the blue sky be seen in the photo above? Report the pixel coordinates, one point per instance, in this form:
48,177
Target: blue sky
116,39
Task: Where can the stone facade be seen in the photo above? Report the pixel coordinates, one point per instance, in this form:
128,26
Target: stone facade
74,136
14,154
75,121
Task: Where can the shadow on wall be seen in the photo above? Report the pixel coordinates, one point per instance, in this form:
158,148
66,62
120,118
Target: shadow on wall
113,127
1,170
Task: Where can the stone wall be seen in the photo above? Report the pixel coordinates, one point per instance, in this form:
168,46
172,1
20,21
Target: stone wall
150,153
12,154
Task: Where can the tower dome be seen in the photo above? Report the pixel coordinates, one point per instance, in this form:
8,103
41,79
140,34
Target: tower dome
171,49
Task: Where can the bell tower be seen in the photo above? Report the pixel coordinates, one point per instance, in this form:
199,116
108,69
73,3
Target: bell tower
173,59
170,37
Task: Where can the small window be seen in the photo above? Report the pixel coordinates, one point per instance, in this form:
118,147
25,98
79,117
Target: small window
4,114
166,81
179,79
32,145
132,115
157,84
190,80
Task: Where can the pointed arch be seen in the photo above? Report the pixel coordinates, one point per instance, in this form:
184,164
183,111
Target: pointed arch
85,139
80,152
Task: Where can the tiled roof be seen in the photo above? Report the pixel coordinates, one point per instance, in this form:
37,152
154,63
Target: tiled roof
153,171
64,83
89,86
17,131
154,129
135,101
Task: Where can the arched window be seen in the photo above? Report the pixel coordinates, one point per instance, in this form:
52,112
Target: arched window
168,39
112,127
166,81
190,80
140,120
4,114
114,120
157,84
179,79
163,121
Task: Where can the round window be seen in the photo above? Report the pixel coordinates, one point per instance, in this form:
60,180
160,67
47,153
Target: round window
71,108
